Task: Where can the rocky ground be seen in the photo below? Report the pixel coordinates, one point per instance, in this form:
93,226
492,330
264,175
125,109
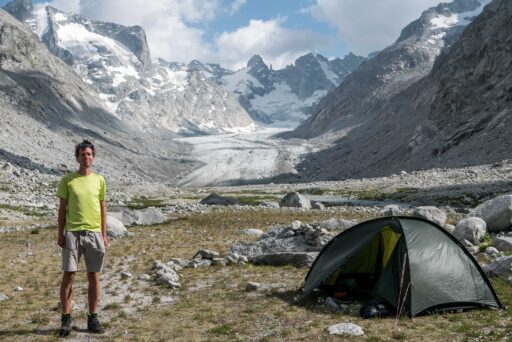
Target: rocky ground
157,285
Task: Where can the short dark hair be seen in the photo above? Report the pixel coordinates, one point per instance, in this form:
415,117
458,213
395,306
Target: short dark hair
82,145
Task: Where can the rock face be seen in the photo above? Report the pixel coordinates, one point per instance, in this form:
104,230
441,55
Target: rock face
289,95
116,61
442,118
497,213
472,229
46,103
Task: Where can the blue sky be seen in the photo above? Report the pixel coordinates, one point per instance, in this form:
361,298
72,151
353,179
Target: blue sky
229,32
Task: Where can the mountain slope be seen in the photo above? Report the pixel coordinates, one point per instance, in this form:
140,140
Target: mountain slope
116,61
45,108
459,114
392,70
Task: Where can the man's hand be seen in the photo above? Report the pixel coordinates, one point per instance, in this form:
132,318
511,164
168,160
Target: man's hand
105,241
61,241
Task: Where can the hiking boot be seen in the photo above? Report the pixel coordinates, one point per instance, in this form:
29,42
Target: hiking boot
93,325
65,326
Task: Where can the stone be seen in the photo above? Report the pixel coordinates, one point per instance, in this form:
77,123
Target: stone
206,254
491,251
252,232
115,228
349,329
126,275
215,199
145,277
252,286
391,210
449,228
295,200
305,259
3,297
317,205
497,213
501,267
471,228
502,243
330,303
430,213
18,289
296,225
219,262
336,223
170,276
142,217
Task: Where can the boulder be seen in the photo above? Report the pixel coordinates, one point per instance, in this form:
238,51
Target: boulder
492,251
115,228
252,232
296,259
206,254
497,213
501,267
349,329
317,205
215,199
142,217
391,210
502,243
430,213
295,200
3,297
471,228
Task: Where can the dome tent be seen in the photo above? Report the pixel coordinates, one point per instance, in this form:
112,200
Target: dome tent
411,263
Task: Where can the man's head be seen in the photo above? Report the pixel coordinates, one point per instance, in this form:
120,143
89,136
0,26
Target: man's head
85,153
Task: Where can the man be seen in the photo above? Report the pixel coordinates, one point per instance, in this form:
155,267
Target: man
82,231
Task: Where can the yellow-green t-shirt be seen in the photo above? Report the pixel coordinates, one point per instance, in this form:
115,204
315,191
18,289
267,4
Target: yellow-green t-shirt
83,195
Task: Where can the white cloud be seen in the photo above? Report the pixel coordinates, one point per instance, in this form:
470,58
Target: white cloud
277,45
235,6
72,6
369,25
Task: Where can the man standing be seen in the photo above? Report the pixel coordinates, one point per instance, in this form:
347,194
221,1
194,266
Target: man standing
82,231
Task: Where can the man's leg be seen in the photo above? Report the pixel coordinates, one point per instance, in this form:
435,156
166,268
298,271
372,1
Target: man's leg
66,289
93,324
94,290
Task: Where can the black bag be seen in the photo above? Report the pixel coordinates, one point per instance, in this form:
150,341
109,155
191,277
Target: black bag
376,308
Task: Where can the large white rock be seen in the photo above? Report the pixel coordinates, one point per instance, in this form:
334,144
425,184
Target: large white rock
143,217
115,228
296,200
350,329
497,213
471,228
431,213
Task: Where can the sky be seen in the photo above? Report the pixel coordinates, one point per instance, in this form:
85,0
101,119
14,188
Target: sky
230,32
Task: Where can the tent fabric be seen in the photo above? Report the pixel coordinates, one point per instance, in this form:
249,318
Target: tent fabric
410,262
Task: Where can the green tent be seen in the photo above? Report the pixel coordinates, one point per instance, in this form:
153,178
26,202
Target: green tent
413,264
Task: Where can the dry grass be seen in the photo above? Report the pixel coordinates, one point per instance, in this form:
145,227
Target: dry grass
212,304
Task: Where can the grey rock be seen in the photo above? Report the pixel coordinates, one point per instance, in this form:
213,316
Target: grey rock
296,200
215,199
296,225
115,228
3,297
337,223
169,276
349,329
317,205
297,259
491,251
252,286
18,289
144,277
219,262
497,213
501,267
143,217
471,228
391,210
502,243
126,275
430,213
206,254
253,232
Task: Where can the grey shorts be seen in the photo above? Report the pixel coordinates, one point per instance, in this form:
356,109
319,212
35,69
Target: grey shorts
86,243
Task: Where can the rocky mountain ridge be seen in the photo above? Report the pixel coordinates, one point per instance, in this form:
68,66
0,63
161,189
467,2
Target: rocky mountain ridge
116,61
392,70
459,114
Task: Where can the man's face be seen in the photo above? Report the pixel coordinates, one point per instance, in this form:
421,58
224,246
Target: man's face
85,157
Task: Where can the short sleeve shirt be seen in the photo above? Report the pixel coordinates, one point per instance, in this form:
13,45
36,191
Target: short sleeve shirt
83,195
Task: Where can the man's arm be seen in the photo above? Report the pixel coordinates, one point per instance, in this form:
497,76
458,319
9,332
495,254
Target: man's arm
61,221
103,207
